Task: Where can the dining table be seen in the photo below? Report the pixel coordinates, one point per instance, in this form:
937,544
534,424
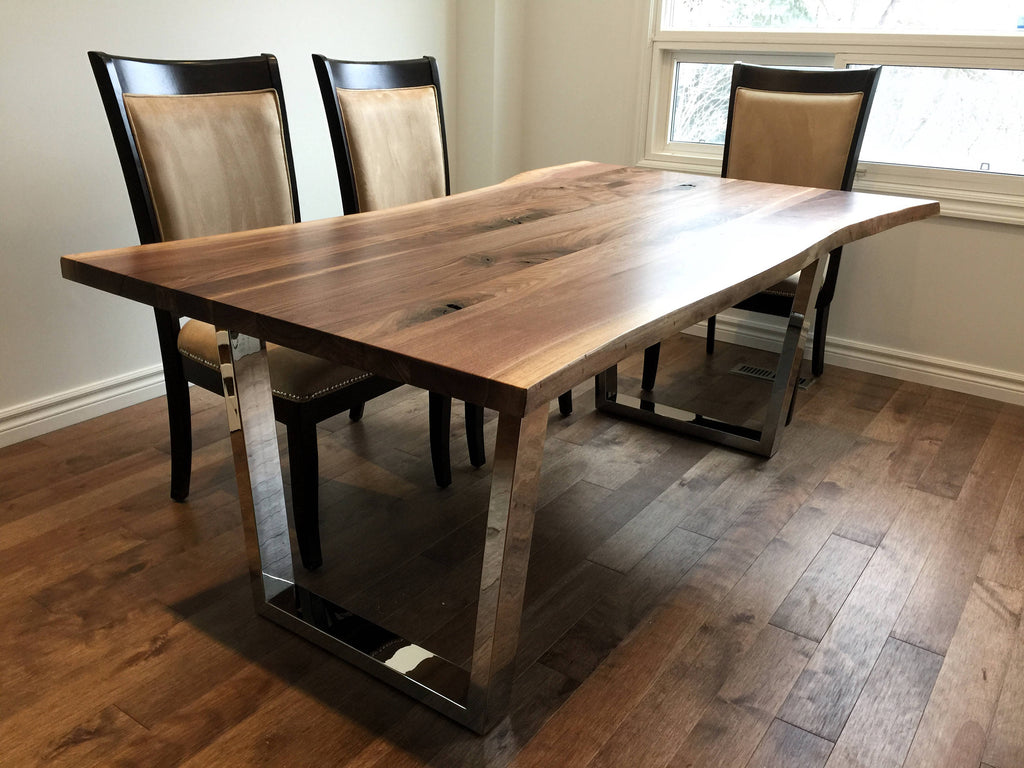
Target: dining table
505,296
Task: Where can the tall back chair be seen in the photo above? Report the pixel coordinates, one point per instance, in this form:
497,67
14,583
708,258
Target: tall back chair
800,127
387,127
204,150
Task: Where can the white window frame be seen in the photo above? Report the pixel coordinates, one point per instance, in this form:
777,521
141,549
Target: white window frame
962,194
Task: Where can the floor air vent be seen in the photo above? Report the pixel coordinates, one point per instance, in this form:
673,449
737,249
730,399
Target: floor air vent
765,374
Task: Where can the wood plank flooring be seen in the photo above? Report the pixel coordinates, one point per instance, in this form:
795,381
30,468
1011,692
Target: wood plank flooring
854,601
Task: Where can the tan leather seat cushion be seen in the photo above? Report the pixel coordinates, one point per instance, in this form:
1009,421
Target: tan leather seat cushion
215,163
792,138
394,138
294,375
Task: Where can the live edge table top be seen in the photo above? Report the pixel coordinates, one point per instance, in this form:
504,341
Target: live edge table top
508,295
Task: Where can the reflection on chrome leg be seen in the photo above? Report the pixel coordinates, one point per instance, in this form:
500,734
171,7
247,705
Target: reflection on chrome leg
764,441
477,697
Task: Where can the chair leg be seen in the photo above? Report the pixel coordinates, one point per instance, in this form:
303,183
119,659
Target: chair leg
475,434
651,356
179,418
440,425
355,413
305,477
565,403
179,408
710,344
818,343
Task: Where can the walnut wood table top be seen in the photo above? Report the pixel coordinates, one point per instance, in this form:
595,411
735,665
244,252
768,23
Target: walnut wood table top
508,295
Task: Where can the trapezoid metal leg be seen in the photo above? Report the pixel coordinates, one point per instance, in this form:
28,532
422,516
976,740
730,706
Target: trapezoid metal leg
764,441
788,370
250,407
518,453
477,697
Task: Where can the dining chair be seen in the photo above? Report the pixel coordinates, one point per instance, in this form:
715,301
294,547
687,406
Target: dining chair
386,121
792,126
204,150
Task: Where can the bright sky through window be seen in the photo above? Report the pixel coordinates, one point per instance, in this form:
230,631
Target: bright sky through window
953,16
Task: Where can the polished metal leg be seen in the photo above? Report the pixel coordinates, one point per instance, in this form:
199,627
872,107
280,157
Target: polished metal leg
477,697
788,370
764,441
246,379
518,452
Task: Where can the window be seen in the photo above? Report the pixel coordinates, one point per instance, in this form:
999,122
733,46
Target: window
918,109
998,16
948,116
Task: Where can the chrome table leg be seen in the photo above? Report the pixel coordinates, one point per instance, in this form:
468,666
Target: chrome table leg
764,441
477,697
517,459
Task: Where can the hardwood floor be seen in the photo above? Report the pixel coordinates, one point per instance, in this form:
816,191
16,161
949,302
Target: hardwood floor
854,601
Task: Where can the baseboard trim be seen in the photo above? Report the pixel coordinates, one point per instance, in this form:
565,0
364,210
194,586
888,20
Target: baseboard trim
28,420
1005,386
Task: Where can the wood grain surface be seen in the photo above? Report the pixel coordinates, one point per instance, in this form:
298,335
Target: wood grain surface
508,295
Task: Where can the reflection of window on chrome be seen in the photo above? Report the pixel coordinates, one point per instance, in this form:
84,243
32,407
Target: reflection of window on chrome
947,116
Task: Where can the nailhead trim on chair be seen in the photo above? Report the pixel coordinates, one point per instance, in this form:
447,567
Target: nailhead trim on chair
200,359
289,395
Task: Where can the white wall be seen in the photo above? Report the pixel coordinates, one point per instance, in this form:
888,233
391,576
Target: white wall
582,83
940,301
543,82
490,92
64,346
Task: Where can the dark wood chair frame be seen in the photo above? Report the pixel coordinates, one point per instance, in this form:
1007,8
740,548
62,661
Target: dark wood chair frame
116,76
382,75
794,81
